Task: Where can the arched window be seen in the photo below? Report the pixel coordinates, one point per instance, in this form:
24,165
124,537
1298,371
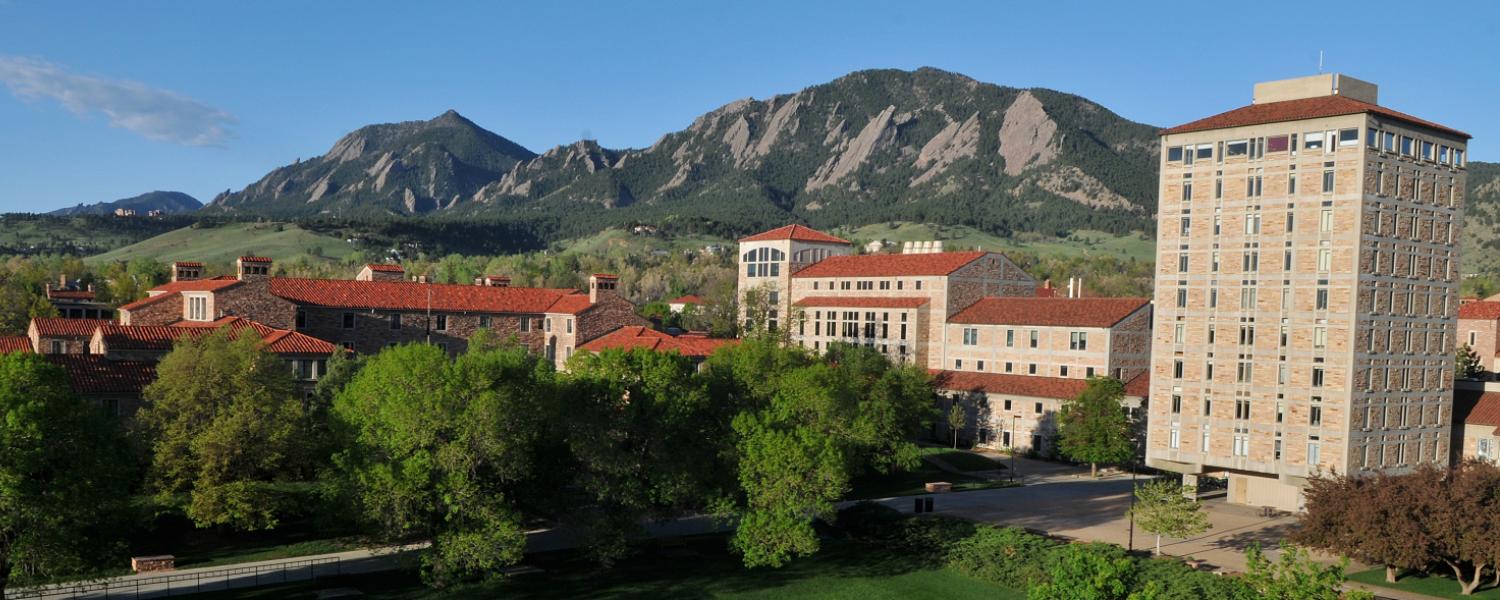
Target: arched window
763,262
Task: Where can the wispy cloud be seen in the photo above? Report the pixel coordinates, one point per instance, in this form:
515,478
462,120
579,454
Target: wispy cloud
156,114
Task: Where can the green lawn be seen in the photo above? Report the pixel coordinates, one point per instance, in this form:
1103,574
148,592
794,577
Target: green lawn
282,242
1420,583
962,460
698,568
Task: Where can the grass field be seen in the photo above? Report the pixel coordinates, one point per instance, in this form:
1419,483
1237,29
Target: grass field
281,242
698,568
961,460
1420,583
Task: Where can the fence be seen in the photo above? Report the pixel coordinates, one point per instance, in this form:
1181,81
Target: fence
199,580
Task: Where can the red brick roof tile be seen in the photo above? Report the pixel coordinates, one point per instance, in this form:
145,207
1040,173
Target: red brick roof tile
1486,310
19,343
255,259
59,327
1476,407
794,232
401,295
162,337
633,336
858,302
1049,312
571,304
1060,388
889,265
688,299
385,268
1297,110
91,374
1139,387
168,290
70,294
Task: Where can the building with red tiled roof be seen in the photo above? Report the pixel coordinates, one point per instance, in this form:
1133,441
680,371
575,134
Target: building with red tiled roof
1314,320
697,347
1479,329
1051,337
55,335
1014,411
1476,421
374,310
1089,313
795,233
18,343
116,385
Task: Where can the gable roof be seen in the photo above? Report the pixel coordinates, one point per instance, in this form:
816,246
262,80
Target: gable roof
1300,109
402,295
794,232
1476,407
1049,312
19,343
859,302
90,374
172,289
635,336
59,327
1031,386
1484,310
385,268
162,337
886,265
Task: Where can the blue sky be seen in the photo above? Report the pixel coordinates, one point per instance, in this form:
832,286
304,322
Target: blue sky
103,100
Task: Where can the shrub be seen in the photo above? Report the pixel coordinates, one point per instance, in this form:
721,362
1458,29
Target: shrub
1003,555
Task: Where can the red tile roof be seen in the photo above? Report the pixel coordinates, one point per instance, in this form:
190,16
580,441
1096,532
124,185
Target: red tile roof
58,327
1046,292
887,265
1476,407
257,259
1304,108
1049,312
794,232
400,295
168,290
1061,388
18,343
688,299
187,263
858,302
571,304
162,337
385,268
1486,310
92,374
628,337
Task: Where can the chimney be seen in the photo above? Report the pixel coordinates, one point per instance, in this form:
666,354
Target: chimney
379,272
187,271
602,284
251,268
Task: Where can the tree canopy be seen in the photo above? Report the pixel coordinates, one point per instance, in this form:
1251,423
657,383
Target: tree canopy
1093,426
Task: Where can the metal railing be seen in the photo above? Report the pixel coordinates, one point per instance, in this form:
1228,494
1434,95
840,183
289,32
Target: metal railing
192,582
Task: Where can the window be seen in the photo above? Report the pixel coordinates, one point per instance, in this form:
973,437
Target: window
57,346
1291,188
1244,372
1010,338
1241,445
301,322
1325,220
1031,369
1250,262
1247,298
1037,408
1388,142
1317,377
762,262
1313,457
1348,137
1407,146
1320,337
395,319
1181,298
1078,340
1182,262
1177,368
348,320
1009,367
484,321
1322,299
980,365
1185,225
971,336
1242,410
1372,138
1254,184
1187,187
1312,141
1176,404
1315,416
1426,150
1252,223
1178,333
1213,265
1328,181
1237,148
958,364
442,323
1174,154
1033,338
197,308
1174,438
1325,257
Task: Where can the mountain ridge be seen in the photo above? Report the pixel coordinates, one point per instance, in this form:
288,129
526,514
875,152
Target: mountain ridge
168,202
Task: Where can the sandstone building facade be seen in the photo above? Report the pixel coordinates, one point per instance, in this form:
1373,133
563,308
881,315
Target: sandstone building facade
1306,290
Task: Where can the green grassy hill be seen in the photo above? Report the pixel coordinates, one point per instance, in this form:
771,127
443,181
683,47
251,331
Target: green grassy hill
222,244
956,237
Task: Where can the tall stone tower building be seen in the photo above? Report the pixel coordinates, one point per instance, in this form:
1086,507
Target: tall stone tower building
1306,290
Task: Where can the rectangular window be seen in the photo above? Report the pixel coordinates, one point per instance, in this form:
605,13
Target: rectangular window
1237,148
442,323
1328,181
1176,404
395,319
1312,141
1174,154
1348,137
484,321
1184,226
348,320
971,336
1174,438
1078,340
1325,258
301,322
1315,416
1182,262
1033,338
1317,377
1010,338
1325,220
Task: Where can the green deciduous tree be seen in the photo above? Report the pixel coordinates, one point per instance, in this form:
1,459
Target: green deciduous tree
442,449
62,476
226,432
805,427
1163,508
1296,576
1093,426
1088,572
